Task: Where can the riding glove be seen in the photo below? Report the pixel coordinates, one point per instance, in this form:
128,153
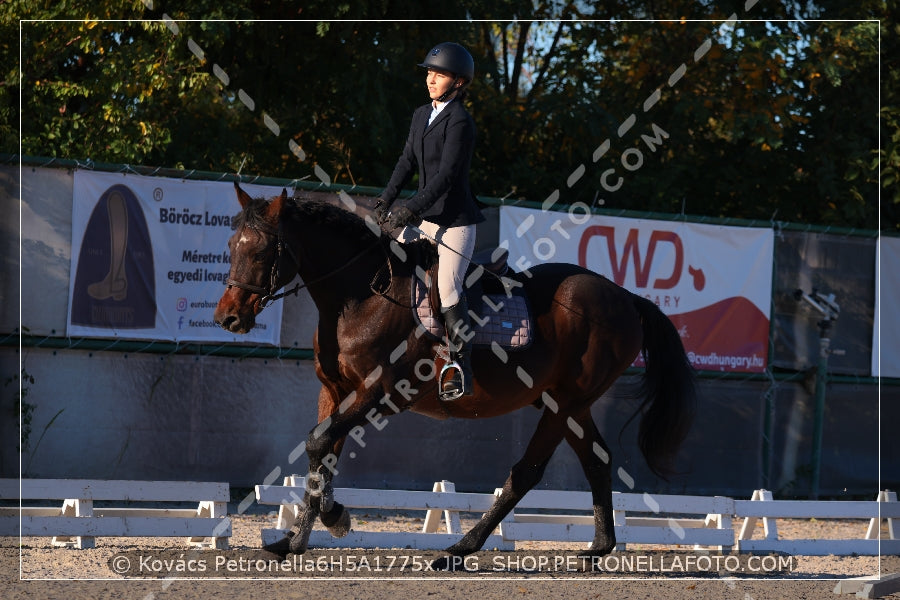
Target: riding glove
381,211
401,217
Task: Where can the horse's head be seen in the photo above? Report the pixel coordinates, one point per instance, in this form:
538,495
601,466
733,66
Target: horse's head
260,262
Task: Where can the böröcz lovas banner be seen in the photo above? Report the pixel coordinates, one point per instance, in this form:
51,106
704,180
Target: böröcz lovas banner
150,258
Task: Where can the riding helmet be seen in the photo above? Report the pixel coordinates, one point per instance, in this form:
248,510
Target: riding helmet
451,57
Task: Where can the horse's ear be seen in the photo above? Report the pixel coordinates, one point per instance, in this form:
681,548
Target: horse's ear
242,196
276,207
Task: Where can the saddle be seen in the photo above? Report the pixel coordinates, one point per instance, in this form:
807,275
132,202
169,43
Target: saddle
493,294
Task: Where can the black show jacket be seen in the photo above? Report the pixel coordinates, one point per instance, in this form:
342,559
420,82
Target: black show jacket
442,153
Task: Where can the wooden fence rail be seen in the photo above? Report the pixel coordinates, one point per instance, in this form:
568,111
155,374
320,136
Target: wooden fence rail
78,521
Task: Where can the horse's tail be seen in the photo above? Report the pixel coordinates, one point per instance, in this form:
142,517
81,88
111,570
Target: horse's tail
668,388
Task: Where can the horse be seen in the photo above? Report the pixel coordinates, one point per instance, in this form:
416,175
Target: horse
587,331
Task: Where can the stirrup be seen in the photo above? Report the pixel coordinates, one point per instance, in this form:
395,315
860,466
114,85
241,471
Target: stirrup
455,394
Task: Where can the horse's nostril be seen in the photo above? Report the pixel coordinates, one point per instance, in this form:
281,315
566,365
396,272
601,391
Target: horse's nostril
227,322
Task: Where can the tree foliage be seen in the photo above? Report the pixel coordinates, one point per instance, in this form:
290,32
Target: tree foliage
672,108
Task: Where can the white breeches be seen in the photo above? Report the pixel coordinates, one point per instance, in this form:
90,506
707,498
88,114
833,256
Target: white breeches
455,246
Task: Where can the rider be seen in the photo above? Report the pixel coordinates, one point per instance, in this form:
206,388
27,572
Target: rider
439,149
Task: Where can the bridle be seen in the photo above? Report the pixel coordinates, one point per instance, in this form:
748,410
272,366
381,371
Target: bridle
268,295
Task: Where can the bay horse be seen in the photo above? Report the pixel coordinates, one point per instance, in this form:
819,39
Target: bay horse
369,355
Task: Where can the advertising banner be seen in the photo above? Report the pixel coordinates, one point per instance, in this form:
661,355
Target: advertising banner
714,282
886,333
150,259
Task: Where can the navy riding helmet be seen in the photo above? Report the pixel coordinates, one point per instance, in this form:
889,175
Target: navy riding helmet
452,58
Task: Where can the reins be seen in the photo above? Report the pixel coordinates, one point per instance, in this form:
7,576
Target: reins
384,291
268,294
438,242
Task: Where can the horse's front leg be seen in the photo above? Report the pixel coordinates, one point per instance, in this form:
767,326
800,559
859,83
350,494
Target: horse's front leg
320,493
337,418
318,499
323,448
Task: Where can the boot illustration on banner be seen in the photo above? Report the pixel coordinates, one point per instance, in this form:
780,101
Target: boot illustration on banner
115,281
115,284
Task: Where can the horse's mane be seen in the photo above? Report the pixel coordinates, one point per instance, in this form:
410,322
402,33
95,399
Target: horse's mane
327,215
333,217
300,209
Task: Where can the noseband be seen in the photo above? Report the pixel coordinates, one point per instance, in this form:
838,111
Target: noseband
268,295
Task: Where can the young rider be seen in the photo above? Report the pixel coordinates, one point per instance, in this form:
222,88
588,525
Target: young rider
439,149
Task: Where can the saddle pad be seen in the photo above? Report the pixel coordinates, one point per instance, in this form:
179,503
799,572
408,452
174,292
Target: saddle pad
503,320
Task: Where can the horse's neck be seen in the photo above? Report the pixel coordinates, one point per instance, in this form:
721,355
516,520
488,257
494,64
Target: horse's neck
337,271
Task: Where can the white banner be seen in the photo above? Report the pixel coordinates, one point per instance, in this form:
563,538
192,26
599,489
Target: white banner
714,282
150,259
886,332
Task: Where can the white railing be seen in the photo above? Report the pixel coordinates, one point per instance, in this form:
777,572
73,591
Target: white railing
646,519
78,521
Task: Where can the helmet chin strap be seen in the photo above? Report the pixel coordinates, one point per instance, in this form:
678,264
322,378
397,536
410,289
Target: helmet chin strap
453,87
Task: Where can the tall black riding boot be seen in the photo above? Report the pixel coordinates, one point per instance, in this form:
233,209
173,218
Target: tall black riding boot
458,382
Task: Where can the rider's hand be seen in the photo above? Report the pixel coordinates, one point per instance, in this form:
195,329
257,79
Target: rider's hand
381,211
401,217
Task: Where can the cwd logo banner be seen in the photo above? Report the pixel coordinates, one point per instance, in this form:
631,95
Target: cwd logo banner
714,282
150,259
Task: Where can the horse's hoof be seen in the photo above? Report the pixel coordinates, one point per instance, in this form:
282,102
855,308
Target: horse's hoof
281,548
341,526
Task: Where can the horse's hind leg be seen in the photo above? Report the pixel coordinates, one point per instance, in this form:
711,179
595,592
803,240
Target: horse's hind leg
524,475
593,453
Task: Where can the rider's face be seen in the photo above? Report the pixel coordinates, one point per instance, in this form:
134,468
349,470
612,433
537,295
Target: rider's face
438,82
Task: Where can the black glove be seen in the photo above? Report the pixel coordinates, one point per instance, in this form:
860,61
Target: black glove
381,210
401,217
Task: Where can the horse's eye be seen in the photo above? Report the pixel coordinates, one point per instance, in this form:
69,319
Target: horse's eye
260,257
